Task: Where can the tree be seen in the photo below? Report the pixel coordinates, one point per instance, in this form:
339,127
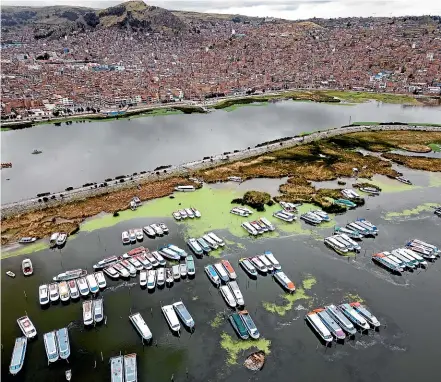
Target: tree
56,113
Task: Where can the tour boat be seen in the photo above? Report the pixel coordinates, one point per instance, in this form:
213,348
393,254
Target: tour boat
27,240
345,203
169,254
61,239
50,344
73,289
121,270
290,207
272,259
350,194
195,247
27,327
267,223
212,274
132,236
178,250
230,270
387,263
284,281
98,310
435,249
189,212
82,286
285,216
211,243
117,369
151,279
160,276
228,296
26,267
185,188
373,230
126,264
141,326
139,234
221,271
258,264
64,291
183,269
144,261
43,294
93,285
370,190
152,259
191,270
257,227
354,316
69,275
410,262
63,343
423,251
143,278
159,258
368,316
125,237
100,279
322,215
311,218
196,212
204,245
235,290
176,215
176,272
53,292
171,318
414,255
163,227
350,244
158,230
108,261
87,312
248,227
248,267
266,262
319,326
130,370
168,276
184,315
335,245
330,324
149,231
239,212
10,274
183,214
238,326
398,260
341,319
53,239
249,324
136,263
352,233
18,355
216,238
403,180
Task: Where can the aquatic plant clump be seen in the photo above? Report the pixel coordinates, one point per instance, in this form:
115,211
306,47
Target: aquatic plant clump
236,347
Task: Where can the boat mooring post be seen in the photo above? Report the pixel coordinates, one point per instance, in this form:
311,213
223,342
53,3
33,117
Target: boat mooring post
102,358
26,297
95,364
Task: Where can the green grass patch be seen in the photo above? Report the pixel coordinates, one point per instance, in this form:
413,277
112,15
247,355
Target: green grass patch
358,97
25,249
6,129
435,147
235,347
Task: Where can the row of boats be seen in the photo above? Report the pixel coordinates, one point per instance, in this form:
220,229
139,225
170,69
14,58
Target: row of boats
137,234
93,311
123,368
241,211
258,227
56,344
58,239
437,211
185,213
342,243
205,244
71,288
149,279
315,217
340,321
415,254
358,229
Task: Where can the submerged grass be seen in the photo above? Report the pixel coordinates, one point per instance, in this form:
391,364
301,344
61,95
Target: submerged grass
410,212
235,347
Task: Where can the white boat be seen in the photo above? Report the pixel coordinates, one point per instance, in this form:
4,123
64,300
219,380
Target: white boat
238,211
163,227
108,261
248,267
18,355
27,240
27,327
126,264
185,188
70,275
98,310
289,207
125,237
139,234
151,279
61,239
349,244
212,243
183,269
177,215
285,216
183,214
354,316
221,271
262,225
130,372
87,312
235,179
50,344
272,259
189,212
10,274
183,314
319,326
158,230
191,270
64,291
204,245
196,212
26,267
195,247
117,369
121,270
169,254
100,279
228,296
43,294
68,374
141,326
82,286
152,259
53,292
257,227
132,236
268,224
350,194
168,276
424,244
171,318
284,281
258,264
63,343
216,238
176,272
335,245
414,255
160,276
249,324
159,258
368,316
53,239
143,278
266,262
74,292
144,261
230,270
149,231
247,210
177,250
410,262
133,205
248,227
341,319
322,214
235,290
93,285
136,263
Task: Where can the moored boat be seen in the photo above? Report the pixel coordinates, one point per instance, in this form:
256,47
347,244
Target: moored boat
50,344
53,239
87,312
177,215
368,316
248,227
403,180
141,326
211,243
73,289
434,249
319,326
121,270
284,281
216,238
414,255
183,269
191,270
69,275
100,279
43,294
352,233
18,355
195,247
311,218
129,266
176,272
152,259
149,231
169,254
249,324
117,369
345,203
158,230
151,279
168,276
228,296
136,263
384,261
285,216
93,285
163,227
132,236
10,274
27,240
257,227
212,274
229,269
160,276
410,262
63,343
108,261
177,250
53,292
189,212
184,314
330,323
146,264
268,264
267,223
341,319
143,278
289,207
336,245
223,275
235,290
130,369
26,267
239,212
196,212
82,286
159,258
354,316
171,318
27,327
248,267
204,245
258,264
272,259
139,234
64,291
322,215
370,190
238,326
61,239
125,238
185,188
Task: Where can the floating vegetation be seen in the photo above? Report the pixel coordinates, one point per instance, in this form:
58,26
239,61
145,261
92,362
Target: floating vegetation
309,282
414,211
435,147
354,298
235,347
195,298
25,250
217,320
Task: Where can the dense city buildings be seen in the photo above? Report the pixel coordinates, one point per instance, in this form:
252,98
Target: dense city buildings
111,67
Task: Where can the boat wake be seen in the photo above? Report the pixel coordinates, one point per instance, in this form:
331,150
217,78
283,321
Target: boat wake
383,275
362,343
125,284
393,347
336,355
75,325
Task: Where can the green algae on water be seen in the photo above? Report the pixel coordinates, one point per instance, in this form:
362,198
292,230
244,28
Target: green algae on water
217,320
354,298
309,282
235,347
414,211
26,250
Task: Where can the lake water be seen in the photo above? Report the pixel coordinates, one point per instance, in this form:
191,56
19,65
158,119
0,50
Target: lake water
406,348
91,152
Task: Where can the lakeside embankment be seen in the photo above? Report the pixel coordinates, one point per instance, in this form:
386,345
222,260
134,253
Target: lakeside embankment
296,155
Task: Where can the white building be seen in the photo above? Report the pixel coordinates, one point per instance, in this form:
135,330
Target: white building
67,102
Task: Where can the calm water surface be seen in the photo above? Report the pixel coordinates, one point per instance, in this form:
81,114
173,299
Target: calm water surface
405,349
91,152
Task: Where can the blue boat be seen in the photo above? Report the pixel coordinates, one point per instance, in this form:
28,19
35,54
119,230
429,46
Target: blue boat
50,344
63,343
169,254
195,246
178,250
345,203
184,314
212,274
18,355
204,245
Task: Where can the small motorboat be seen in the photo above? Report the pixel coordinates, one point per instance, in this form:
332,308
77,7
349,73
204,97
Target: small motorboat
10,274
196,212
191,270
117,369
64,291
82,286
73,289
322,214
189,212
211,242
183,214
163,227
91,282
129,266
238,211
87,312
61,240
267,223
266,262
183,269
169,276
136,263
249,228
36,151
403,180
149,231
27,240
235,290
171,317
330,324
100,279
53,239
53,292
370,190
176,272
132,236
151,279
354,316
26,267
159,258
160,276
125,237
318,326
177,215
144,261
98,310
258,264
27,327
216,239
121,270
152,259
345,203
139,234
43,294
143,278
311,218
68,375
